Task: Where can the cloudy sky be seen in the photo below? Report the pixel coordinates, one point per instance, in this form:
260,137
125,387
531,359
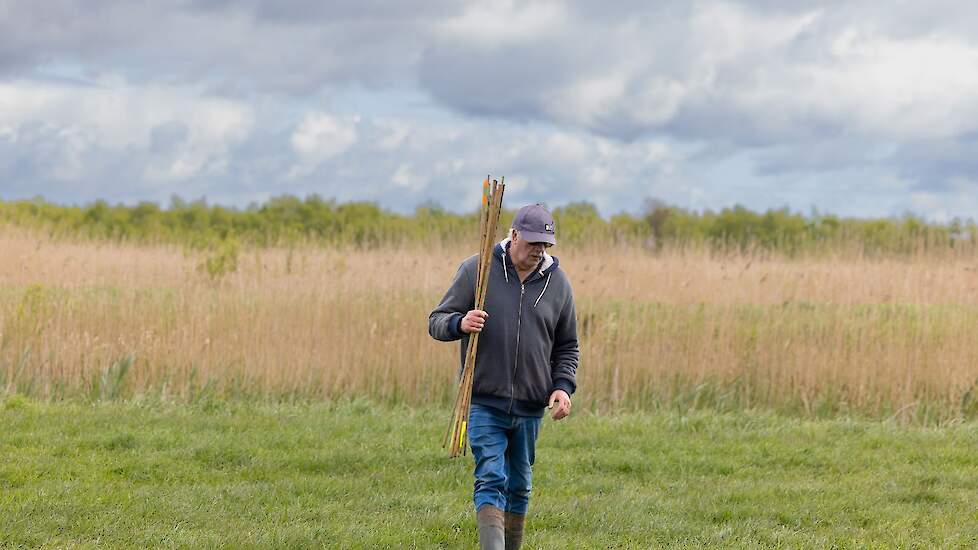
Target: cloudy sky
855,107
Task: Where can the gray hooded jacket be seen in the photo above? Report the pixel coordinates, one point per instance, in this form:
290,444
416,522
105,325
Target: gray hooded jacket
528,347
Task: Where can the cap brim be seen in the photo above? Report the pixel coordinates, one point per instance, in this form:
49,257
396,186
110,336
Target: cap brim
531,237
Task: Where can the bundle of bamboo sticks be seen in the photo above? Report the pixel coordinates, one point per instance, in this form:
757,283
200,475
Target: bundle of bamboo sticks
492,202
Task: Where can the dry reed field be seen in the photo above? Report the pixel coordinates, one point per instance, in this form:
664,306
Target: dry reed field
878,338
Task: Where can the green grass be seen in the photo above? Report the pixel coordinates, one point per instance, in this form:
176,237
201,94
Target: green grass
356,475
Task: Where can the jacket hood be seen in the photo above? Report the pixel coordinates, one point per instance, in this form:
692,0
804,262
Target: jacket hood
548,265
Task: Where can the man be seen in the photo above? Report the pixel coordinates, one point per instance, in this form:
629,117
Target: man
527,361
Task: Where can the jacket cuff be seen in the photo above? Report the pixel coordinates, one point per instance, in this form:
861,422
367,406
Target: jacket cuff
563,384
455,325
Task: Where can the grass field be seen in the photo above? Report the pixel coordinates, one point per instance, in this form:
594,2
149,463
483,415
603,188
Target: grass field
360,475
297,401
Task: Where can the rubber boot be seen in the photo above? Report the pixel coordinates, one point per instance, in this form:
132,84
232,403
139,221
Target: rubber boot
514,530
491,528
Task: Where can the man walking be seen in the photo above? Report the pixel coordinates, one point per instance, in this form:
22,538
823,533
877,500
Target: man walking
527,361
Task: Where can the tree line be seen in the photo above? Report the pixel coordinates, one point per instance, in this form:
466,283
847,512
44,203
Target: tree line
289,220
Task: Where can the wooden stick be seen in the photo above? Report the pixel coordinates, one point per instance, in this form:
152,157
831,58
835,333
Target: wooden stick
495,211
489,218
454,426
451,436
486,266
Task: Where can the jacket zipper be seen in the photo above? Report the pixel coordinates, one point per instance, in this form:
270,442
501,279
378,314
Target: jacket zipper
516,360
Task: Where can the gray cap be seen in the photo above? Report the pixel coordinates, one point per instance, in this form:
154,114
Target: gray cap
535,224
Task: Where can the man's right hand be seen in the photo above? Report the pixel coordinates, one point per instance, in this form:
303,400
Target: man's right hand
474,321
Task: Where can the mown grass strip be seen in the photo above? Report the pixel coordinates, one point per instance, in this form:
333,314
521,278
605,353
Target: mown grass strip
357,475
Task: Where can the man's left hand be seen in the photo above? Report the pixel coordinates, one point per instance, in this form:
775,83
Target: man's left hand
563,402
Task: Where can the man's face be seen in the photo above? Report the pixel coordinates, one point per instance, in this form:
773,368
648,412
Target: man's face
526,255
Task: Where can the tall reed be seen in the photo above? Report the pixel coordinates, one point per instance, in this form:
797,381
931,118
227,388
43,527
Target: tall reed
687,329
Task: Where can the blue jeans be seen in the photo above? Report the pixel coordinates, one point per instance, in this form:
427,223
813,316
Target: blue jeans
504,448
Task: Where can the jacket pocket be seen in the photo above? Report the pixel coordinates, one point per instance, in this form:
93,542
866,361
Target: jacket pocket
534,380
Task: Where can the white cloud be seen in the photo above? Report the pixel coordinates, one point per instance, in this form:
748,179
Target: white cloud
726,32
118,117
918,88
504,21
405,177
588,100
320,136
759,102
